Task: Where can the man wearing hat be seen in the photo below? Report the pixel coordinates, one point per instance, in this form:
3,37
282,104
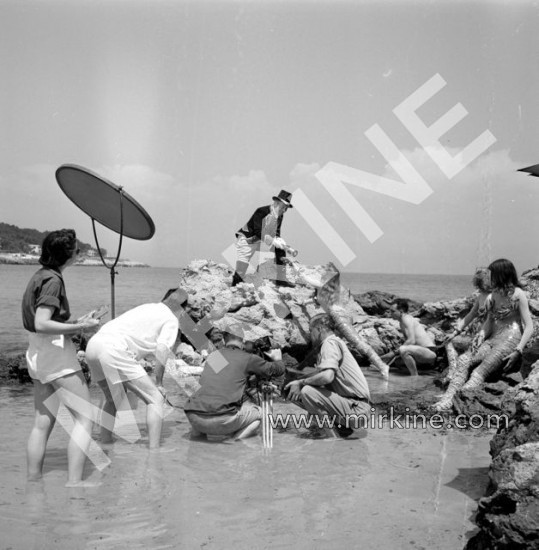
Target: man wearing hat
114,356
218,407
264,226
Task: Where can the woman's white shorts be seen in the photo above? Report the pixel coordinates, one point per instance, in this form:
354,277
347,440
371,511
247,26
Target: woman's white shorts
51,356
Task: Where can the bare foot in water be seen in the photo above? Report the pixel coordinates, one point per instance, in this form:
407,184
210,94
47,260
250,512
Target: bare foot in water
83,483
384,371
162,450
34,477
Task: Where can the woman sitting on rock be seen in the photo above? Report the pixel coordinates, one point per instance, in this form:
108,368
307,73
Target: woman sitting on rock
471,324
501,337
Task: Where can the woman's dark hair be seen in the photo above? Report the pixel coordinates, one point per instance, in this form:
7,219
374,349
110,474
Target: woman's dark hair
481,279
503,274
58,247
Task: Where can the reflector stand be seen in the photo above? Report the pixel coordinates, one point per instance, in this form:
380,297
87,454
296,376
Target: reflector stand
109,205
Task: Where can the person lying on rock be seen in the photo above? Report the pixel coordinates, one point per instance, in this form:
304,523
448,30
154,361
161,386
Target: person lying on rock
219,407
337,389
503,336
263,227
418,347
116,352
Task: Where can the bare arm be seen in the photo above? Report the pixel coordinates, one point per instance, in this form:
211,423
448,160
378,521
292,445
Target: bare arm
526,319
488,326
45,325
472,314
162,355
483,333
267,369
321,378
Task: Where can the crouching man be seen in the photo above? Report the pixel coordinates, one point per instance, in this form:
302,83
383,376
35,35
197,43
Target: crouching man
114,356
337,389
218,406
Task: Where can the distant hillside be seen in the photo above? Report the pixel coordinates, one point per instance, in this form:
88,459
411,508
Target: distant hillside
21,240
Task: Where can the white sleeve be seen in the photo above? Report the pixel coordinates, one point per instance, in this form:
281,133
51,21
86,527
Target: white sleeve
168,333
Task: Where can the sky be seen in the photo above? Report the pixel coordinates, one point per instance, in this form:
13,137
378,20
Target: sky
202,111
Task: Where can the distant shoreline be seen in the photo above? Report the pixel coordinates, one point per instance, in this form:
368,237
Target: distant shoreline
32,259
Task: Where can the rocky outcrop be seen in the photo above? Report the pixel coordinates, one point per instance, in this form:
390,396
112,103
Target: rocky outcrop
442,314
489,398
283,313
13,369
509,515
280,313
379,303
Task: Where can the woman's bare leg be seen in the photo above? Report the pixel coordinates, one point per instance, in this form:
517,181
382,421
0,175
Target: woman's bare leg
46,407
74,393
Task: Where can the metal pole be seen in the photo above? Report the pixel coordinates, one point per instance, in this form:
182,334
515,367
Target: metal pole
112,300
111,267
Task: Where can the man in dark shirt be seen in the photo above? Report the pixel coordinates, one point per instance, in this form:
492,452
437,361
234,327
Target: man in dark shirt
217,407
263,227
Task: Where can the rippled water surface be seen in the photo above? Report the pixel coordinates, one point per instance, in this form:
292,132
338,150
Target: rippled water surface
383,489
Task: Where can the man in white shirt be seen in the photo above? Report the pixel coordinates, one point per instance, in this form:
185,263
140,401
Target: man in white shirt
115,352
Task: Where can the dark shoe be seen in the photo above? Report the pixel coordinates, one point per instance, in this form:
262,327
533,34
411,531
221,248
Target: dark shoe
236,279
239,273
343,431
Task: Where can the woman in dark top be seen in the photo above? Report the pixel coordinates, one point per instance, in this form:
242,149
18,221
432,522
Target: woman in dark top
51,357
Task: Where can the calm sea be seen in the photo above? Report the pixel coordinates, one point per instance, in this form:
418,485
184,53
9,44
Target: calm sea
89,287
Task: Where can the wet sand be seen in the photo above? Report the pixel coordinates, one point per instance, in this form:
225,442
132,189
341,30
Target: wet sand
385,488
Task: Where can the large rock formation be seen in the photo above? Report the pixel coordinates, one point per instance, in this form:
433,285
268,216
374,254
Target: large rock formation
279,313
509,515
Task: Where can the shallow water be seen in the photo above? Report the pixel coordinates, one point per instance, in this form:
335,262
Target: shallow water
385,488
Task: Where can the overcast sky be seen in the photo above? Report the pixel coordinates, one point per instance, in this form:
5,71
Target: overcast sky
204,110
